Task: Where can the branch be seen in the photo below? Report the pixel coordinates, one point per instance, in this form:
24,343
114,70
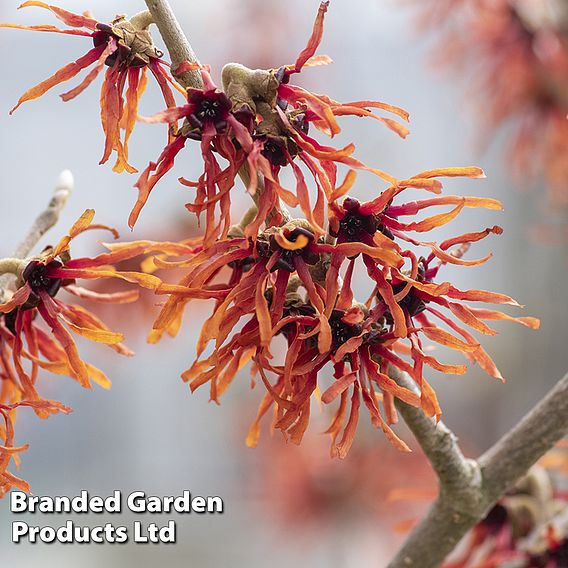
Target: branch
45,221
528,441
463,501
455,472
11,266
49,217
177,44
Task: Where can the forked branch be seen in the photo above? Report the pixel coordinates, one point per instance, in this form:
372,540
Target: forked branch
464,499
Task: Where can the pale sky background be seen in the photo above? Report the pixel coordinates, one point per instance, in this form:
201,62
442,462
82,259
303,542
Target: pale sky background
149,433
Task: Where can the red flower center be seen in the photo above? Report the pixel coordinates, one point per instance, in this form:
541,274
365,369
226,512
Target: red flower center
36,275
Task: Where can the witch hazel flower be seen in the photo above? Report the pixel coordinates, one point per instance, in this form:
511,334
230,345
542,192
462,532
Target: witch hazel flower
126,49
209,120
516,54
259,123
293,283
41,279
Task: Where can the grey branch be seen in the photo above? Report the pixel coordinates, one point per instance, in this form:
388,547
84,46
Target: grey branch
468,489
438,442
531,438
176,42
45,221
49,216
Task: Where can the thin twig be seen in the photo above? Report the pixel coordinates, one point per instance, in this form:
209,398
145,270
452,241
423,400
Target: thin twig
49,216
177,44
500,467
45,221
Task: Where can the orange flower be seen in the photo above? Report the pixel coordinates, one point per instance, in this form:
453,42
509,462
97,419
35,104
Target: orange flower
262,298
208,119
8,451
26,347
42,279
259,134
126,48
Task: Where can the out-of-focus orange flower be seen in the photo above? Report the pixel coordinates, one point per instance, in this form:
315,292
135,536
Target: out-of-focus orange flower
515,53
305,490
126,48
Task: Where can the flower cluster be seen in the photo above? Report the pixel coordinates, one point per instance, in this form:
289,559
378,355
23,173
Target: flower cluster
126,48
279,281
516,54
37,327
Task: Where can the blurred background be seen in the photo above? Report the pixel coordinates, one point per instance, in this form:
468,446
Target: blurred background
288,504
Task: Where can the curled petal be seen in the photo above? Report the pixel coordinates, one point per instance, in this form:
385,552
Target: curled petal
315,38
64,74
69,18
19,298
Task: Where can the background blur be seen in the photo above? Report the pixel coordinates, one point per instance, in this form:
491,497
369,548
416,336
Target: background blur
149,433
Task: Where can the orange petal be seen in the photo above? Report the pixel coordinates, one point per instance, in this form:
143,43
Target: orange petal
110,48
69,18
315,38
64,74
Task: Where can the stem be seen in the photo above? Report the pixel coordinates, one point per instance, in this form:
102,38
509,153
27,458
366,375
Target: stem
12,266
177,44
142,20
45,221
455,472
530,439
49,216
249,216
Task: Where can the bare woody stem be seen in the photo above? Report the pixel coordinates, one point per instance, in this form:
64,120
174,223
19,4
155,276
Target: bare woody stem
49,216
44,221
468,489
142,20
238,230
11,266
178,47
439,444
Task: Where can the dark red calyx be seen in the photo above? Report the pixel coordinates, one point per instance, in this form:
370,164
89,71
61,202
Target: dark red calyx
211,107
36,275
